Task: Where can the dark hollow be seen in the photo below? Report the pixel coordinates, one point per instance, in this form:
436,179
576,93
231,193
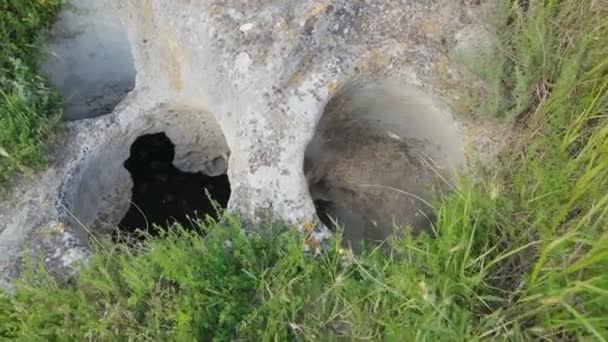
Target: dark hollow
323,209
162,194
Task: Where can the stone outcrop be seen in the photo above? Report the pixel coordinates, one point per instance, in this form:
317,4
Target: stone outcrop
242,87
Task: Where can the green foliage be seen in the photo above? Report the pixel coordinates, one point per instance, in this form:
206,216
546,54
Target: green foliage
228,285
28,108
518,63
522,255
559,176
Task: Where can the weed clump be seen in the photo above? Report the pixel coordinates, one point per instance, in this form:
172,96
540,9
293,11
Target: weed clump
29,109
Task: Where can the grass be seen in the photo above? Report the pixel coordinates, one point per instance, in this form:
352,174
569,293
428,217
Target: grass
521,255
28,108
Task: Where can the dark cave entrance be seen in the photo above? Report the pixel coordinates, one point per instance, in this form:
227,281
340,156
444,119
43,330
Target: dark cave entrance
162,194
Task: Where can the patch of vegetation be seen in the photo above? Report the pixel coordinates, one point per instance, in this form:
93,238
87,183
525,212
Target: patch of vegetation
28,108
522,255
518,65
228,285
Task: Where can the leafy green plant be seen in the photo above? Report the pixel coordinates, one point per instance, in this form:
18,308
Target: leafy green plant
516,65
28,108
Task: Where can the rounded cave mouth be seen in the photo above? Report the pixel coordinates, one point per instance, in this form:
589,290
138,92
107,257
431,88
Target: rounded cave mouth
163,195
380,154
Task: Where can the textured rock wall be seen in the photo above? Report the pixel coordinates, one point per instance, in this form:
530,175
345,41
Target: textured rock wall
89,59
236,84
266,70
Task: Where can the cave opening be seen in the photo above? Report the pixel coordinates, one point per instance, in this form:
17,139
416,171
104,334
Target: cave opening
162,194
379,155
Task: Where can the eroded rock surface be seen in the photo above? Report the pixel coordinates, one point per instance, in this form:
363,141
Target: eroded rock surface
239,85
89,59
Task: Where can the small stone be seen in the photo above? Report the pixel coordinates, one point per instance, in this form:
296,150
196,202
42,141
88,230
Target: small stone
246,27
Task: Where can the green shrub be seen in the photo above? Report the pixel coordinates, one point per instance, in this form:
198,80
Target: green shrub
28,108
